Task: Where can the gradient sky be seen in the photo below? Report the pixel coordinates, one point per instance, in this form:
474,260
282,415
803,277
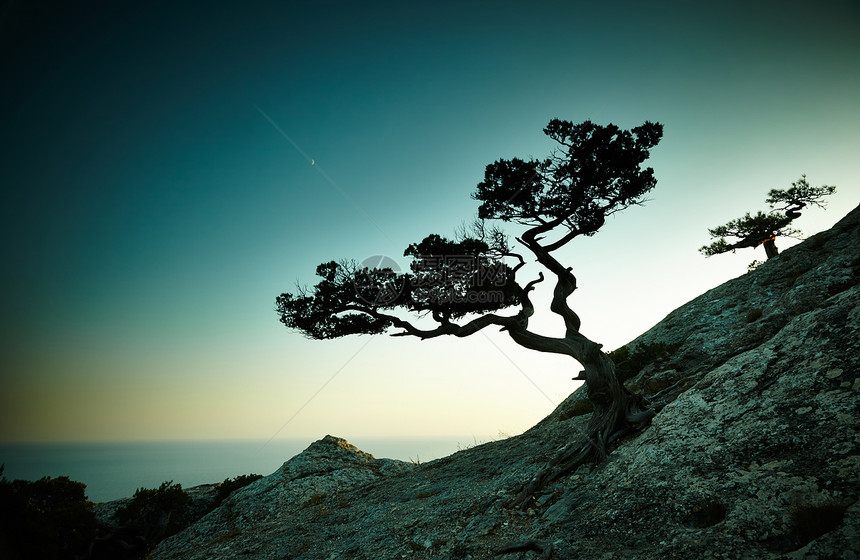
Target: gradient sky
158,192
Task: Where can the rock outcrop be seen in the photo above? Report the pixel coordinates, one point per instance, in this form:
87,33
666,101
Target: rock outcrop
754,454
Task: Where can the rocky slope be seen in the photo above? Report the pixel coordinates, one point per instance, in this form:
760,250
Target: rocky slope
756,453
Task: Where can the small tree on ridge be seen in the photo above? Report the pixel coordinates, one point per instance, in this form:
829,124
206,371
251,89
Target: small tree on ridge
763,229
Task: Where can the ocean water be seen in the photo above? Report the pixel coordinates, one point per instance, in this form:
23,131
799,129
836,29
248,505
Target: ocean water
113,470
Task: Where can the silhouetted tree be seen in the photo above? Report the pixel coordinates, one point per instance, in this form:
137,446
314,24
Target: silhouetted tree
763,229
594,172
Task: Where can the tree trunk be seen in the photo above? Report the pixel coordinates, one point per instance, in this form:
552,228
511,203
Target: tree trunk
770,248
617,412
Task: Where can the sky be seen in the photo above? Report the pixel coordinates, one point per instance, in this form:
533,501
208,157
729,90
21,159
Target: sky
169,168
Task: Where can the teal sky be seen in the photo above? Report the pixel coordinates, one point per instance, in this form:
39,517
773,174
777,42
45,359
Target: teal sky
152,211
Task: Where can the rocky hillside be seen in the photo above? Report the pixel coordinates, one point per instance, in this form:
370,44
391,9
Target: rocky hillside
755,453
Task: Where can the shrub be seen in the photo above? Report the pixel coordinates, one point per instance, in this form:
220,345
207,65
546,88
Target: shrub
157,513
48,518
628,362
229,486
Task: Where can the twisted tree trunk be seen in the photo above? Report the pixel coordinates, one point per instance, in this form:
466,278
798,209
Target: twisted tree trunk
617,412
770,248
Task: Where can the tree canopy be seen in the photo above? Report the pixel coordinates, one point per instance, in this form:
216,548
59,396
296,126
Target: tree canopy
594,173
763,229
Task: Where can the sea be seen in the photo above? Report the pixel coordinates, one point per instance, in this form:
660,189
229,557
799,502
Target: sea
114,470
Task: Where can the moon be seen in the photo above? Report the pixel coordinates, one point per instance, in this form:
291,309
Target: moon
312,162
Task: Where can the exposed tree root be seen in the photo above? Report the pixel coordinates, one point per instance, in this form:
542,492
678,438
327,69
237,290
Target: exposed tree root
617,412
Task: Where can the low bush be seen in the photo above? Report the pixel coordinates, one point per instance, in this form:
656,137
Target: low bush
229,486
157,513
48,518
628,363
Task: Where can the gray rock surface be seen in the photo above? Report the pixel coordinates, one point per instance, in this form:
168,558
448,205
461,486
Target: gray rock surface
756,453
